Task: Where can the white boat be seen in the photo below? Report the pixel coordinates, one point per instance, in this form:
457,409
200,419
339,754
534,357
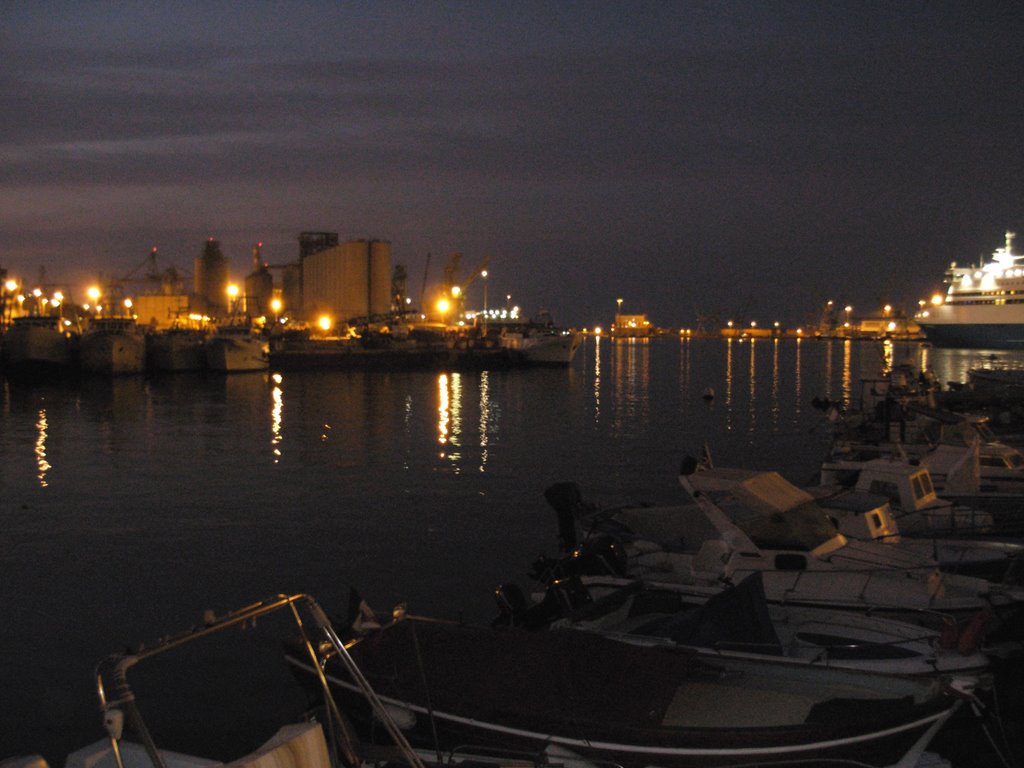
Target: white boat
980,307
38,345
235,348
744,521
177,349
113,346
595,701
542,345
739,622
540,341
890,498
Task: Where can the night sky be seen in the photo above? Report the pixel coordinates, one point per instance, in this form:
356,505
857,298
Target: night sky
743,161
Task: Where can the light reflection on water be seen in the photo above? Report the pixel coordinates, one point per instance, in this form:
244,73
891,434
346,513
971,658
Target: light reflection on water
40,449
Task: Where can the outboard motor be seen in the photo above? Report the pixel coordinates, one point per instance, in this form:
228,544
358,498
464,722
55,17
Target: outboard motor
511,605
566,499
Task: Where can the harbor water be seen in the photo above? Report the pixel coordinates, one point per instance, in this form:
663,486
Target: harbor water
129,506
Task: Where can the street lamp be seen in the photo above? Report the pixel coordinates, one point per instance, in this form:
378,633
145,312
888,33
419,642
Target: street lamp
483,274
232,295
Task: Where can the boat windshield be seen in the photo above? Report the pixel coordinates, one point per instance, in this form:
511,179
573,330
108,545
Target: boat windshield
771,511
802,529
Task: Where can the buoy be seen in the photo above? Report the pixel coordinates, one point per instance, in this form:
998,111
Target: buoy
709,393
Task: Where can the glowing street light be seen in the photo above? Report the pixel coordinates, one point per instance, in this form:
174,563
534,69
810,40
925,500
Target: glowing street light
483,274
442,306
93,292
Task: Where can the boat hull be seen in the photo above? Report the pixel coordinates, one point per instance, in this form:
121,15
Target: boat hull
174,351
113,354
974,335
36,351
231,355
609,701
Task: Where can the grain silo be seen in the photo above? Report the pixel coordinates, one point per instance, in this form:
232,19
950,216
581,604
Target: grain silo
211,279
349,282
259,286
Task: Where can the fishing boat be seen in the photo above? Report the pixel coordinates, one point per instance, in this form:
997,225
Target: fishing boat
597,701
739,622
113,346
983,305
178,348
39,345
235,347
539,341
543,346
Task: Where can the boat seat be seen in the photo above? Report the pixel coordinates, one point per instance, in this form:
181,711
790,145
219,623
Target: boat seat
293,746
711,557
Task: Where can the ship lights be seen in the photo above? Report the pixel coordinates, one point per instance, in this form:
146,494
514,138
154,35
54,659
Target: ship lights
325,322
938,299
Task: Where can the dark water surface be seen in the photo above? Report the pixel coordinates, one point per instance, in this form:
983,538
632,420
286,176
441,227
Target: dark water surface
128,507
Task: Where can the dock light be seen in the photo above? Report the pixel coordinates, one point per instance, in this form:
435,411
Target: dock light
232,290
887,308
128,303
937,299
325,323
753,323
443,305
729,323
93,293
456,290
58,296
11,286
275,305
597,330
37,293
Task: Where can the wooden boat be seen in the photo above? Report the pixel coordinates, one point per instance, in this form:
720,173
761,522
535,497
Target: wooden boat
599,701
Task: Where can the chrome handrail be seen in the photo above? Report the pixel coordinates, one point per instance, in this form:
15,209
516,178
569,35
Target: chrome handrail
114,669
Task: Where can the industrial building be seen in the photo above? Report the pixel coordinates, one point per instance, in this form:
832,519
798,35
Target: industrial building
348,281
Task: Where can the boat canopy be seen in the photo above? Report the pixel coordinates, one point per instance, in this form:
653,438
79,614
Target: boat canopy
770,510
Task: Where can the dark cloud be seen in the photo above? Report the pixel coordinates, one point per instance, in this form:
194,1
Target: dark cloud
716,154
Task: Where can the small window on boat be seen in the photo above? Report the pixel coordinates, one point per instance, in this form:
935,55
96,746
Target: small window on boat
1015,460
992,461
876,520
926,483
918,487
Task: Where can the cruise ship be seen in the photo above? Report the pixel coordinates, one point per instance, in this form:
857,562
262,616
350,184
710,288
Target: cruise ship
983,306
